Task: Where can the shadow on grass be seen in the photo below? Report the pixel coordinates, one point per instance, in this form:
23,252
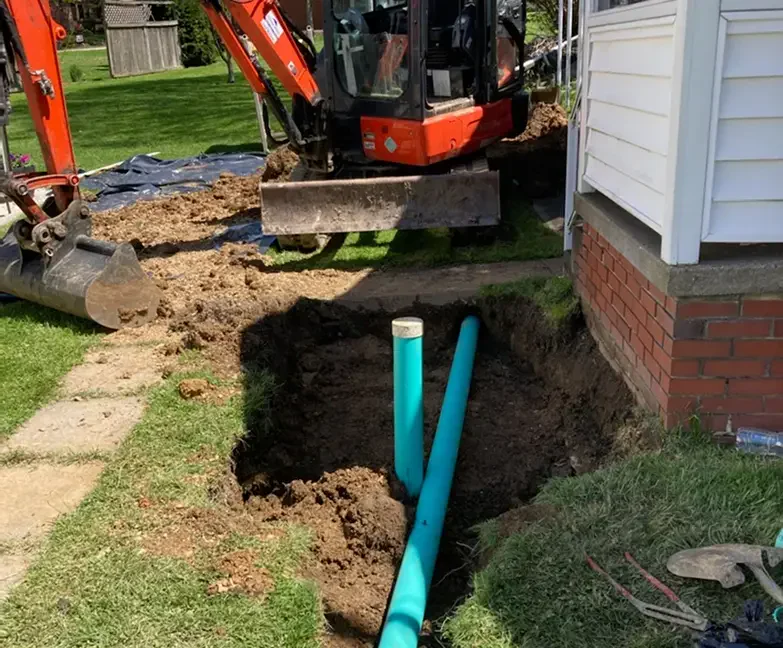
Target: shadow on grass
519,237
178,113
249,147
37,347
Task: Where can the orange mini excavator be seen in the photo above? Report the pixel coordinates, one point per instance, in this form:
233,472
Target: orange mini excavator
390,121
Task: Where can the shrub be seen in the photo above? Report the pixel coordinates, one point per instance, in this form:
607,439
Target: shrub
75,72
549,10
195,38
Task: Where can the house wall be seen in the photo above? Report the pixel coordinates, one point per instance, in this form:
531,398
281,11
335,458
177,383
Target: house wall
720,357
744,193
629,69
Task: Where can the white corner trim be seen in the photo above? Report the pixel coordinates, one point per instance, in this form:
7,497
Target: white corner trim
714,121
696,41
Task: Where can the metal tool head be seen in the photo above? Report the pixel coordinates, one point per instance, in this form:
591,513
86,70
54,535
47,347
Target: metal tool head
721,562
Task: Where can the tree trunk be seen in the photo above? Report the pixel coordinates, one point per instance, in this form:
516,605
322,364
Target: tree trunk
230,66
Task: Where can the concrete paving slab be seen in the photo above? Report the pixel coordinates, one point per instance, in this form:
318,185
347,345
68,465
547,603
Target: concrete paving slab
114,370
96,424
392,289
33,497
12,570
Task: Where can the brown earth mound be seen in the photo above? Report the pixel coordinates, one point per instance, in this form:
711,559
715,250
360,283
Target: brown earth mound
279,165
536,159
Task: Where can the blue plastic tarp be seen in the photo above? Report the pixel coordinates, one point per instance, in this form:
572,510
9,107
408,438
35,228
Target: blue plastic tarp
143,177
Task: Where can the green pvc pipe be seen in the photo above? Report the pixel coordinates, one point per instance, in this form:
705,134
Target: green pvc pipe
408,403
409,599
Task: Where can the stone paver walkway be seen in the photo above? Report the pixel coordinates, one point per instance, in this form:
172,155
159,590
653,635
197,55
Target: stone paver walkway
99,405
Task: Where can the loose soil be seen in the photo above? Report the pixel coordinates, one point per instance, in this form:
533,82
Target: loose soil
536,159
320,455
201,283
208,291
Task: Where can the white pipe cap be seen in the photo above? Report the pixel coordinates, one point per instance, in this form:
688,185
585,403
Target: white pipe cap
408,327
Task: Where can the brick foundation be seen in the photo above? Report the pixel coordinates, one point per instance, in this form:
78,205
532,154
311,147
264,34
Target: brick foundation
720,357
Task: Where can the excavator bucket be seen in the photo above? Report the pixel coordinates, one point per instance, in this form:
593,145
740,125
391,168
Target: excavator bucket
382,203
94,279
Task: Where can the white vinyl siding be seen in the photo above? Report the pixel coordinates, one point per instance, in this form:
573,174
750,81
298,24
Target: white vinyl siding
629,98
744,195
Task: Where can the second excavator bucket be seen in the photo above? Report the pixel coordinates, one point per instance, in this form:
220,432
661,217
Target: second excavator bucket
94,279
369,204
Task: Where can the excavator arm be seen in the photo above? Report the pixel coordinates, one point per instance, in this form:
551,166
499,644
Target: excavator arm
31,34
49,257
291,58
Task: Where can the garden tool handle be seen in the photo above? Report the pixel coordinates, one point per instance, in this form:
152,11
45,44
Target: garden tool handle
766,582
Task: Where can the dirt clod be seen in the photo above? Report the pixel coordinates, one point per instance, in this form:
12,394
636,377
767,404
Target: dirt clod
279,165
192,388
243,575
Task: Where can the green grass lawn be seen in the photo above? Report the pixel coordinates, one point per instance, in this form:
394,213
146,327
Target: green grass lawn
537,590
521,236
179,113
96,585
37,347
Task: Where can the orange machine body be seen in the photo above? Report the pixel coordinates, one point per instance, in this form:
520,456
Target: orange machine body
261,21
438,138
43,87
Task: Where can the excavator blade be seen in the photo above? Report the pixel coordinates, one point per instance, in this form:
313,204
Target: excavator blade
382,203
94,279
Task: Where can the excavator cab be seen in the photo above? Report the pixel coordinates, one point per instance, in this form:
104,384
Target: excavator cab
443,75
413,92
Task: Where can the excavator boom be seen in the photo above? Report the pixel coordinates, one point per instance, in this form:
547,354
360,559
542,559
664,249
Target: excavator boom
49,257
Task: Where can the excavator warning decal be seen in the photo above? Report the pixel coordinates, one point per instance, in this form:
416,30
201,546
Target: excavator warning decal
272,27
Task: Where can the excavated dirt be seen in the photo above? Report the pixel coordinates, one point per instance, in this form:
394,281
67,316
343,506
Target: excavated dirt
182,222
209,293
321,455
279,165
536,159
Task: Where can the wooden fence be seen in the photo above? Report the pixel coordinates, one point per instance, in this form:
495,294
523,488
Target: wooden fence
135,43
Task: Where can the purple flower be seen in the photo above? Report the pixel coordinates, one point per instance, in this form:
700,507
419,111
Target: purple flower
19,160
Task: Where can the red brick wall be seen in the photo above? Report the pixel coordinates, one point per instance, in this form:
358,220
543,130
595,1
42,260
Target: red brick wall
721,357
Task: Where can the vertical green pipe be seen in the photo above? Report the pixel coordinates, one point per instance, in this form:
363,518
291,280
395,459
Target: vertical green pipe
408,403
409,599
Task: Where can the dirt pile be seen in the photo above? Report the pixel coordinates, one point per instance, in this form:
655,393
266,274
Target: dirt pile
536,159
182,222
322,456
547,128
279,165
210,292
